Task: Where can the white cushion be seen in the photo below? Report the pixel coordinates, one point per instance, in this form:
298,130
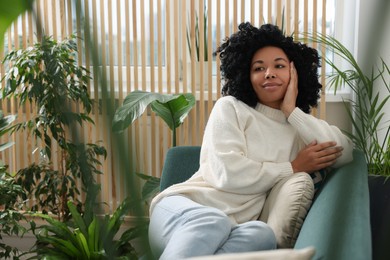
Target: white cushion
286,207
279,254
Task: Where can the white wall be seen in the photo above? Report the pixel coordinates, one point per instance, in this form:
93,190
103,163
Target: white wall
373,39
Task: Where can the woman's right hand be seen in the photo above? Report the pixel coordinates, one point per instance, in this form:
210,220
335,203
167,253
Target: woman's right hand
316,156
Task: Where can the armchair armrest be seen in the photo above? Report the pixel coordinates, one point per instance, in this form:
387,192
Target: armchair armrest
338,223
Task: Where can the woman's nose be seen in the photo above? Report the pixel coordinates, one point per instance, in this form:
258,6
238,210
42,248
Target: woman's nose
269,74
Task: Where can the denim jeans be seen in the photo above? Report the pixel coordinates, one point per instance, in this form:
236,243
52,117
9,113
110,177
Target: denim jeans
181,228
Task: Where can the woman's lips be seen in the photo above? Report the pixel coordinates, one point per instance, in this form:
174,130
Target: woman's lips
271,86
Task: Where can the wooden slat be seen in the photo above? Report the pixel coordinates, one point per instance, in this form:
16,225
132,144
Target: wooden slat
218,43
288,17
111,84
242,16
45,16
54,21
153,119
234,23
269,14
296,19
305,16
252,10
279,13
69,19
144,120
193,59
202,119
119,175
136,147
261,12
103,80
159,136
184,49
14,107
210,87
323,93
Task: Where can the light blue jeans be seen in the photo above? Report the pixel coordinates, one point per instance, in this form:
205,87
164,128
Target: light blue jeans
181,228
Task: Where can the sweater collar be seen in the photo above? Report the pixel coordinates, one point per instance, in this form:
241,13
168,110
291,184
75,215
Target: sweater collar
272,113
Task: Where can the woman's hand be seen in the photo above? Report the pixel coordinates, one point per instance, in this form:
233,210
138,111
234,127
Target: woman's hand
315,157
290,97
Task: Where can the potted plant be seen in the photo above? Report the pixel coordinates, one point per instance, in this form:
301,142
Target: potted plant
366,112
87,236
172,108
47,75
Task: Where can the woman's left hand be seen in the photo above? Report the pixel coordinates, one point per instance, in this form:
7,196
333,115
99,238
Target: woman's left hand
290,97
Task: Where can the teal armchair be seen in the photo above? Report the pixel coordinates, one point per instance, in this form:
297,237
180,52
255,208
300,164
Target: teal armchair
338,222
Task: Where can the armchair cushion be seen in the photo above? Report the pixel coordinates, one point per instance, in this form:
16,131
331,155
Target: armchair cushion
286,207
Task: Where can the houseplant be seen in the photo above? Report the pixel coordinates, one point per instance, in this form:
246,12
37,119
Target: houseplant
366,109
172,108
9,12
48,76
197,42
366,112
12,198
87,236
198,37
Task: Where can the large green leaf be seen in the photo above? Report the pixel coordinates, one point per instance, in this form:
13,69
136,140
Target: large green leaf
174,111
9,11
77,218
136,103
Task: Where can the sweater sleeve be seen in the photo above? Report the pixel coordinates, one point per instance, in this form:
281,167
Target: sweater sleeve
226,165
311,128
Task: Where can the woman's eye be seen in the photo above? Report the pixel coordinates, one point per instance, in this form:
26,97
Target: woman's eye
258,68
280,66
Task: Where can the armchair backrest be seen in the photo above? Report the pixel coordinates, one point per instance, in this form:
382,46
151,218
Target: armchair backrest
181,162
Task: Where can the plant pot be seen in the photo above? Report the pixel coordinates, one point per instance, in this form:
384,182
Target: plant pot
380,216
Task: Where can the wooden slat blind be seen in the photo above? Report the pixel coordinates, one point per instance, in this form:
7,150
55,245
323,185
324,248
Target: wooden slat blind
144,45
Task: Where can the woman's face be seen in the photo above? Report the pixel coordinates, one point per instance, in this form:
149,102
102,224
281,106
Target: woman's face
270,75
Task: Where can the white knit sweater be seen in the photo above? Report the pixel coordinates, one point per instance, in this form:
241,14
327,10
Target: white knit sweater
245,151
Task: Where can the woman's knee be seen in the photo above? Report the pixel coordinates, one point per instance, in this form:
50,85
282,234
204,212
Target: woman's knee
212,218
262,233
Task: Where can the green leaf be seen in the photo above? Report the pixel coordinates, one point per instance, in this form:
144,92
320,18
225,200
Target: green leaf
135,105
63,245
82,243
5,146
135,232
174,111
151,186
93,236
58,228
9,11
78,220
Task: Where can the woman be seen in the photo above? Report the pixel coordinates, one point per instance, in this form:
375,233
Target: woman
258,133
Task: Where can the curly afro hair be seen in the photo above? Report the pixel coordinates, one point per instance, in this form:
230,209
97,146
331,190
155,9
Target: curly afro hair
236,53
